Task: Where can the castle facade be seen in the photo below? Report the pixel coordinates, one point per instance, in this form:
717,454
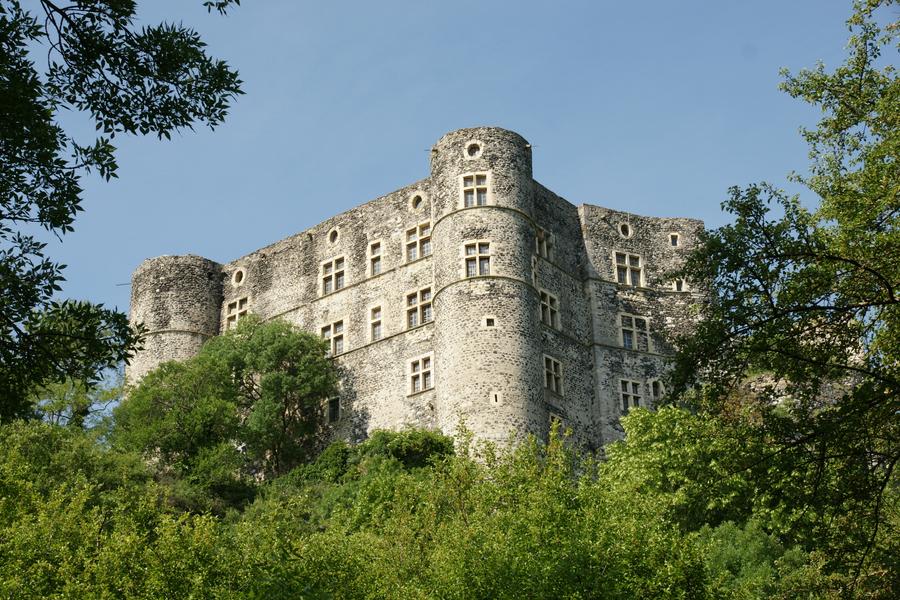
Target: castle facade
475,295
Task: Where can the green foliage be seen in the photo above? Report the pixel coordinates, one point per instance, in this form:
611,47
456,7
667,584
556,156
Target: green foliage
806,301
126,79
249,404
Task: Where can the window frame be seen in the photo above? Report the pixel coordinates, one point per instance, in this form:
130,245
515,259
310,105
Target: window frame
418,242
422,307
478,259
328,280
420,369
376,321
544,243
372,257
629,268
328,410
624,394
552,311
334,339
235,311
476,187
635,332
553,374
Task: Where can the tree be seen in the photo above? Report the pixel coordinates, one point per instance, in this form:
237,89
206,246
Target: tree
126,80
810,299
250,405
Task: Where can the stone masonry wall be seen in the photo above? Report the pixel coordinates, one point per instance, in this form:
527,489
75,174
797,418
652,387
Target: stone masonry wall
487,343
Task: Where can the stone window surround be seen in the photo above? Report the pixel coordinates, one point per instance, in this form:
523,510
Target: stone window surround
657,390
636,332
423,199
553,375
474,155
333,235
238,277
334,409
679,285
344,322
477,257
235,311
332,275
625,229
379,306
674,236
544,243
417,238
629,392
370,258
422,368
422,307
629,268
489,322
550,308
488,185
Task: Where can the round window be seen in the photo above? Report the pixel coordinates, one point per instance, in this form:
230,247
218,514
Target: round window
333,236
473,149
238,277
416,201
625,230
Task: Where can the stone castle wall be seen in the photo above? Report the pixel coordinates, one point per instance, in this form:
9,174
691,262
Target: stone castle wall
486,343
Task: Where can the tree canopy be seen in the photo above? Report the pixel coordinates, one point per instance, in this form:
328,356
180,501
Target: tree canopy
90,59
801,338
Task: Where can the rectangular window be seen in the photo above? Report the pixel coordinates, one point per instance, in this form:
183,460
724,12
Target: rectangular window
418,242
656,390
629,270
236,311
375,323
475,189
334,333
679,286
374,259
674,240
420,378
553,375
418,308
549,309
334,410
543,243
478,258
630,392
635,332
333,277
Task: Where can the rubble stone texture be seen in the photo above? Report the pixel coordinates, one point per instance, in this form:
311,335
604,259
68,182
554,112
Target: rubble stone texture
486,348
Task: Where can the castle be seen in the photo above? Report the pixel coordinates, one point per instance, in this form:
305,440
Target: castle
474,294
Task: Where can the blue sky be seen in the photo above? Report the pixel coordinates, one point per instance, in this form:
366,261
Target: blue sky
650,107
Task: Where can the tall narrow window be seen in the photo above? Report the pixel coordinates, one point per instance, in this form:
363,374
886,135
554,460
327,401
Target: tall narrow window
553,375
674,240
374,259
418,308
635,332
334,333
475,189
629,270
630,392
549,309
679,285
418,242
656,390
334,410
333,275
237,310
478,258
543,243
420,375
375,323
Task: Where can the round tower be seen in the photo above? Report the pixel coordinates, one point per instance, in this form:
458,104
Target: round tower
179,300
487,338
